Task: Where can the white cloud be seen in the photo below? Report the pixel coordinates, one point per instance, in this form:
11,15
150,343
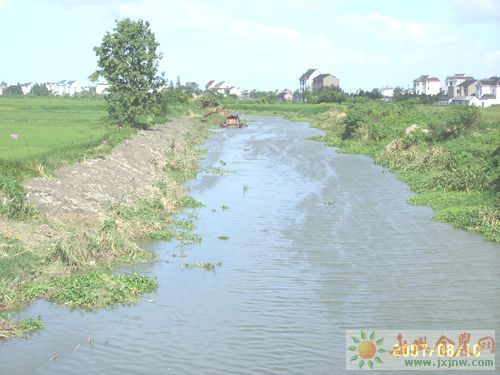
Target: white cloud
477,11
4,4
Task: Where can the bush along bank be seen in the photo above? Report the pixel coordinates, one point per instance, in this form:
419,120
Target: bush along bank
448,155
75,268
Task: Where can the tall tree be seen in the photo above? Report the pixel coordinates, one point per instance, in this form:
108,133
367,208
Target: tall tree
128,61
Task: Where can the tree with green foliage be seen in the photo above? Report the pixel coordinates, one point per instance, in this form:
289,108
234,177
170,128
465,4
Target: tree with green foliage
128,60
330,94
13,90
210,99
39,89
461,120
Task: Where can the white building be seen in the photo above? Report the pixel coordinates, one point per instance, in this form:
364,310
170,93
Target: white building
285,96
488,88
387,92
210,84
64,87
453,82
234,91
221,87
224,88
101,88
306,80
426,85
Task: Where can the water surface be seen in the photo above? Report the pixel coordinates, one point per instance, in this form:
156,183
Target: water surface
319,242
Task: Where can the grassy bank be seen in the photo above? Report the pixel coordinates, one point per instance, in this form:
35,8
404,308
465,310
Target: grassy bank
75,266
448,155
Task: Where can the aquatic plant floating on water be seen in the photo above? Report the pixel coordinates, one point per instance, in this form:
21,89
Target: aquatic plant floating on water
330,202
207,266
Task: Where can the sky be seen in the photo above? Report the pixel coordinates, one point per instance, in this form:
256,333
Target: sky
260,44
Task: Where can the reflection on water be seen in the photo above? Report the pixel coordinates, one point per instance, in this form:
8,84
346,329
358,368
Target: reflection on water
318,243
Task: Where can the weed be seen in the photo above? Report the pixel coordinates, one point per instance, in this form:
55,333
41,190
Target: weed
220,171
18,328
189,202
206,266
90,290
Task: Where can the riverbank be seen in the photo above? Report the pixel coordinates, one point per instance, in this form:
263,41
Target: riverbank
86,219
456,174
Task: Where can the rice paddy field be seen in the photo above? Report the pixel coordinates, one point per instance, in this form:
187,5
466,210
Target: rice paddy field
35,129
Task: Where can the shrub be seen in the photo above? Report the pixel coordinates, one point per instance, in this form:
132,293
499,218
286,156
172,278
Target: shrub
460,121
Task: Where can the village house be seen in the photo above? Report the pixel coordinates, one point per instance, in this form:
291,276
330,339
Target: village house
325,80
488,88
387,92
210,84
101,88
427,85
306,80
453,84
467,88
224,88
64,87
481,93
466,100
234,91
285,96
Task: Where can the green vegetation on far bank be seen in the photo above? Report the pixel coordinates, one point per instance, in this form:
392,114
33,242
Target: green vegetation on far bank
449,155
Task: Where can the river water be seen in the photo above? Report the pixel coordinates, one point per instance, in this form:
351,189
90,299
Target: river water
318,242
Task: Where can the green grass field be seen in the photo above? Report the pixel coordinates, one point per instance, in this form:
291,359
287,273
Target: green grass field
41,134
48,126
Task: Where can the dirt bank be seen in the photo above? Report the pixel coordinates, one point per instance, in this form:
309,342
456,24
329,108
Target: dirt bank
91,186
82,193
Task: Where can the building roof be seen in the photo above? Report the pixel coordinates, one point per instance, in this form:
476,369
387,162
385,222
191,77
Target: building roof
307,74
492,81
321,77
426,78
459,75
464,98
209,83
488,96
467,82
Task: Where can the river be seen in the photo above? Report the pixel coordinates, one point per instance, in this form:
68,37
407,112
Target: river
318,242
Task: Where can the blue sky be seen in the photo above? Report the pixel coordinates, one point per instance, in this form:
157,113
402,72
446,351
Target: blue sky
263,44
